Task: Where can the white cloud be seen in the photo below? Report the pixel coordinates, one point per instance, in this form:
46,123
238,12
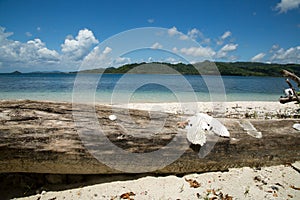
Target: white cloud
220,42
47,53
150,59
291,55
9,51
172,60
36,51
226,35
286,5
233,58
279,55
33,52
76,49
28,34
107,50
4,35
98,58
173,31
194,33
191,34
258,57
206,52
205,41
38,28
183,37
223,52
275,46
229,47
121,61
103,58
156,45
151,21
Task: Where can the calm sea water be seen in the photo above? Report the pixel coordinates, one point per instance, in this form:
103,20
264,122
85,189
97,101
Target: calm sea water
116,88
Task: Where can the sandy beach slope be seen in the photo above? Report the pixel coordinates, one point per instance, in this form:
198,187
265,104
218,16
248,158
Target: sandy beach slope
276,182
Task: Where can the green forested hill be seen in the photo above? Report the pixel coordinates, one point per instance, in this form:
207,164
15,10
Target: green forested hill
255,69
205,68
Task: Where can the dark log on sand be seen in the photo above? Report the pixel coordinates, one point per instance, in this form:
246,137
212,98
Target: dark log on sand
288,99
284,100
41,137
293,89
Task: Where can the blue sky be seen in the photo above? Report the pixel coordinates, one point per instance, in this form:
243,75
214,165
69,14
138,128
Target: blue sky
61,35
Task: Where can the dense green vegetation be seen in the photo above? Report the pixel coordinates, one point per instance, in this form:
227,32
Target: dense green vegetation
203,68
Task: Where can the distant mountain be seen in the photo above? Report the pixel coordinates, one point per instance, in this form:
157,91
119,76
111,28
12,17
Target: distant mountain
46,72
203,68
91,71
16,72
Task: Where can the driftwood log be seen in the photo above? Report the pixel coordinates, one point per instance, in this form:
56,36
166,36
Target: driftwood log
291,75
284,100
295,78
41,137
288,99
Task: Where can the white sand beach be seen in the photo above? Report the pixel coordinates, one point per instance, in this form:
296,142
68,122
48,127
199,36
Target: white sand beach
275,182
234,109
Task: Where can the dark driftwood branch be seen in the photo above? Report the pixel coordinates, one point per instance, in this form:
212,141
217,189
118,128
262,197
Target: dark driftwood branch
284,100
40,137
291,75
295,78
294,92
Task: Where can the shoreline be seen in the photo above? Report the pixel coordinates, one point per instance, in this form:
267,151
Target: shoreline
235,109
228,109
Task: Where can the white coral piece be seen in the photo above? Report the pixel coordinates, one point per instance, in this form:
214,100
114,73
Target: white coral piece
112,117
202,124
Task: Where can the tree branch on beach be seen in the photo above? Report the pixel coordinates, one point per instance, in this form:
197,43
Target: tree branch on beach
291,75
294,96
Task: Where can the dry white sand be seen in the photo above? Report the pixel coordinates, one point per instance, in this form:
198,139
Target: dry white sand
275,182
237,109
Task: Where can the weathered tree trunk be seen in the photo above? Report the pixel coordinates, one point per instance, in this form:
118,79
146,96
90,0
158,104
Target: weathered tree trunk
41,137
295,78
288,99
291,75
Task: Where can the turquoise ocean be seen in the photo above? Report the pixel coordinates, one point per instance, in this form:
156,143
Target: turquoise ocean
138,88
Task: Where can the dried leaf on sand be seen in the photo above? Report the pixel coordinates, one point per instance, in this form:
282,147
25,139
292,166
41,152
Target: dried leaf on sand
193,183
